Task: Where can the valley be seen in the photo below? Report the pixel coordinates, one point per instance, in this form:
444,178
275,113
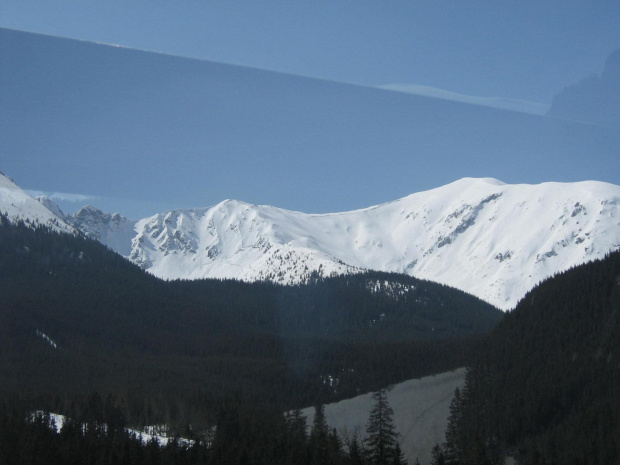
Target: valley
207,262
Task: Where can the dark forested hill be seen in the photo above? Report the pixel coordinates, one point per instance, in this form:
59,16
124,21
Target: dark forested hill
77,319
546,385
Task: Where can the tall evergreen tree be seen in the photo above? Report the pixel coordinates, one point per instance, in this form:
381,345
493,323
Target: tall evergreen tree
297,436
454,447
319,437
382,441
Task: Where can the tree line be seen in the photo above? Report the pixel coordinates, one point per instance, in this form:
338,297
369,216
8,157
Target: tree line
241,434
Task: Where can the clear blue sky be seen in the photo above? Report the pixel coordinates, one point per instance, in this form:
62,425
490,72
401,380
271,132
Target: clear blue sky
518,49
140,156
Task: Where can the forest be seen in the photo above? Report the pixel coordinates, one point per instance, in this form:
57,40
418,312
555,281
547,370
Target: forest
86,334
544,386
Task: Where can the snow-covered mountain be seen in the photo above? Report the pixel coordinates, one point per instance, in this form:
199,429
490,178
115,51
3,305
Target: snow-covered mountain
493,240
113,230
490,239
18,205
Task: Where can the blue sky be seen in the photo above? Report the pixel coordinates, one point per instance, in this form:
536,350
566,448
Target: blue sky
520,50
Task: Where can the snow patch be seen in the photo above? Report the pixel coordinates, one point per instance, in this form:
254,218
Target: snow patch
46,338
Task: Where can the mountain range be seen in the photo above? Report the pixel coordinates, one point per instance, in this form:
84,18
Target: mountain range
490,239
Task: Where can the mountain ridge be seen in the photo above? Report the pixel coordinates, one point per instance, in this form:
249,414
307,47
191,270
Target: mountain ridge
17,205
491,239
379,238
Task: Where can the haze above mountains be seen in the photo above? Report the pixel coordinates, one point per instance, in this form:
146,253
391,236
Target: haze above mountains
140,133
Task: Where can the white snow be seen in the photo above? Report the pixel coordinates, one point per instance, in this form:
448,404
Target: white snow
112,230
46,338
421,408
493,240
18,205
146,435
488,238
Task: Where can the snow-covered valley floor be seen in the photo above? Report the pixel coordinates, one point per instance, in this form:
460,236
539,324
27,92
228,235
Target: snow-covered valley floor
421,408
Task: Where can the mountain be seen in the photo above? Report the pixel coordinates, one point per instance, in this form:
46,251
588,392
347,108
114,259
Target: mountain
112,230
595,99
493,240
76,318
17,205
545,387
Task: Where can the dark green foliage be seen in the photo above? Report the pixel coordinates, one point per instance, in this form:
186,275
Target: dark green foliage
134,350
168,351
319,437
243,436
355,449
438,456
546,382
382,446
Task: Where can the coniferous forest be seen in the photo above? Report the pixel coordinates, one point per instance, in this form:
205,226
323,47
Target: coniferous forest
545,386
86,334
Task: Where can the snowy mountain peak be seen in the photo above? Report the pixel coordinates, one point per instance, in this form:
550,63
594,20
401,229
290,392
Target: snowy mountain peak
480,235
490,239
112,230
19,206
50,205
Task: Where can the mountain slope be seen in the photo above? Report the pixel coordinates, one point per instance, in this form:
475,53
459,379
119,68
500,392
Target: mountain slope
421,409
546,384
77,318
112,230
487,238
17,205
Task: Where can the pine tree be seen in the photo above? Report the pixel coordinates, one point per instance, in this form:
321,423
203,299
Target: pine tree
356,450
399,457
297,436
454,447
382,441
319,437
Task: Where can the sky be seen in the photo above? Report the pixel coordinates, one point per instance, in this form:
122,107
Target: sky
519,49
513,50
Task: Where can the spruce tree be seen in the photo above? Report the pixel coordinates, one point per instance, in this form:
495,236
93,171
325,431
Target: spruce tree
455,444
382,442
319,437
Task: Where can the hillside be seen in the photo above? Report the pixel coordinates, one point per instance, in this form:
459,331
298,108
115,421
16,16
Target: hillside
16,205
76,318
545,386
